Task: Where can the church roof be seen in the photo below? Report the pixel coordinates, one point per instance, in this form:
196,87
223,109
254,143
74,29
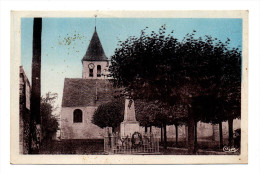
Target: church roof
95,50
87,92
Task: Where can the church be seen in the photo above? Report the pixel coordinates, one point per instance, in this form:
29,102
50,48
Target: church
82,96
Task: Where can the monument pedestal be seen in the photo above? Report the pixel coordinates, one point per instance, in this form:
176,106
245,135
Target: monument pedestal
129,125
129,128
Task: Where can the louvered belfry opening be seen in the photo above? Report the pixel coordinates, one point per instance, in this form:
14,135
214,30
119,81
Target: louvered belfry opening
90,72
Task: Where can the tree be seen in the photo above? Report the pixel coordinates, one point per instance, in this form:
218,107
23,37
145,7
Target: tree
109,115
203,74
146,71
143,115
161,116
205,109
49,122
159,67
230,90
146,60
154,113
179,118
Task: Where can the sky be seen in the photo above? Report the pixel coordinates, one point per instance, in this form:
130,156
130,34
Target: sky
61,58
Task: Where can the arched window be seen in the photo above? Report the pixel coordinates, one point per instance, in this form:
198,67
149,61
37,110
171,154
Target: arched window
77,116
99,71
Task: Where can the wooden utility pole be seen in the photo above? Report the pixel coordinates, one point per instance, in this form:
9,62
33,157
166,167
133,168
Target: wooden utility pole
35,118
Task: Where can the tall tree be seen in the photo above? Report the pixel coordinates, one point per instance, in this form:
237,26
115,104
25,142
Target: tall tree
230,91
35,119
203,74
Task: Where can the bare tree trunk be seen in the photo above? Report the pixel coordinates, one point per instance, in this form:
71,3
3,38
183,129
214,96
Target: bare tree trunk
220,135
35,118
176,132
191,125
230,132
186,135
165,137
162,134
145,129
150,129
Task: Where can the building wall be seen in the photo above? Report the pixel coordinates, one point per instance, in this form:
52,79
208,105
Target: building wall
104,69
24,113
205,131
87,130
84,130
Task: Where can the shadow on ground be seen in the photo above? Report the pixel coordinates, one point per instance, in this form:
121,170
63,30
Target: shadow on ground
91,146
96,147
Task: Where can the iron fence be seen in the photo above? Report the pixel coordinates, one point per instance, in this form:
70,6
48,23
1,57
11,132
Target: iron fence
132,144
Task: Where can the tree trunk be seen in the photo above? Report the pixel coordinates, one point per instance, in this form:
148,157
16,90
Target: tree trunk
162,134
191,125
145,129
150,129
230,132
186,135
176,132
165,137
220,135
35,118
195,136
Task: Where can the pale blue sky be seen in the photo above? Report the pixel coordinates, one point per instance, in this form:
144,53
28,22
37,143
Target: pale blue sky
60,60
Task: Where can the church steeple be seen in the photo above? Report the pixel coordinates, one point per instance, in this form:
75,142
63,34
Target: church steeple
95,50
95,62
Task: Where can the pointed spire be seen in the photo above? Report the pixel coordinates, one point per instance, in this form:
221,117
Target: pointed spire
95,50
95,21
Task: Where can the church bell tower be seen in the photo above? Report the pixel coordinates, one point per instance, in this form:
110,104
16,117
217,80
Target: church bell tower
95,62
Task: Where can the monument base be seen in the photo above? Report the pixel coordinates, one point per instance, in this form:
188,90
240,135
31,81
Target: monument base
129,128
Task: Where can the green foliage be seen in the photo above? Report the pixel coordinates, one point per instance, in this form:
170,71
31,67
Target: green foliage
109,115
146,61
156,113
49,122
158,67
152,113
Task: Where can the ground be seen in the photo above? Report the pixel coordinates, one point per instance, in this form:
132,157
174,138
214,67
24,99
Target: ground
90,146
96,147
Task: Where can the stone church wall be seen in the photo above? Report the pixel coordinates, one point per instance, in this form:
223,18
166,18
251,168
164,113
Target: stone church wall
84,130
24,112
